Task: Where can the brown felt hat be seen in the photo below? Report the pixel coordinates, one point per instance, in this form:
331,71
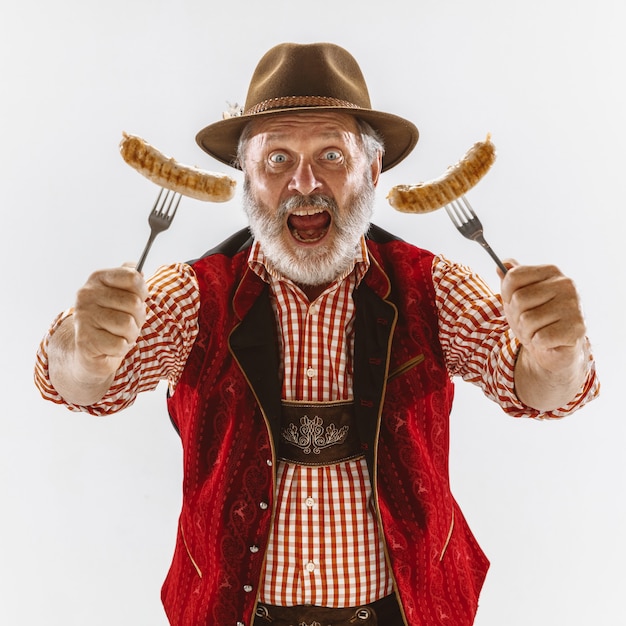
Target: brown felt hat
308,77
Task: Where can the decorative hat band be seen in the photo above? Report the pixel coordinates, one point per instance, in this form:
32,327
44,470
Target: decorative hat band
299,101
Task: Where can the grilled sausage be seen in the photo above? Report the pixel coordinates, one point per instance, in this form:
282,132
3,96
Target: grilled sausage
458,179
167,172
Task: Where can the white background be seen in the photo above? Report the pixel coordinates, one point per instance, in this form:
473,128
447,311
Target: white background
89,506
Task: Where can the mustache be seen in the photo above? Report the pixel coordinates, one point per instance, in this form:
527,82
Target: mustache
317,201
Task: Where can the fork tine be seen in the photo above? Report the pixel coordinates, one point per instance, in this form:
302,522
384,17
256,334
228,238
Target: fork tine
169,206
453,214
158,200
450,213
465,206
467,223
164,208
462,210
160,218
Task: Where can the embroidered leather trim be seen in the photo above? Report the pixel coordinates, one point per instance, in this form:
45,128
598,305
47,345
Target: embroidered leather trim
318,433
312,436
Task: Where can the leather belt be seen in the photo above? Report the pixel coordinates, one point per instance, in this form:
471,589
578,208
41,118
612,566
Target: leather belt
384,612
318,433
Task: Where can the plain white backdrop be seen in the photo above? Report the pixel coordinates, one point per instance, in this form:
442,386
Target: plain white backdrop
89,506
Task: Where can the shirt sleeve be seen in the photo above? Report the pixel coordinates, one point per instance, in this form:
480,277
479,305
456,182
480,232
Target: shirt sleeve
161,350
479,346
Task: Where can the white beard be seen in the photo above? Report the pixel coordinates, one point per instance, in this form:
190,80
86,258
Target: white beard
311,266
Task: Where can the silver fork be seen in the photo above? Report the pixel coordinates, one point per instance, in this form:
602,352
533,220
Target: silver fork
160,219
468,224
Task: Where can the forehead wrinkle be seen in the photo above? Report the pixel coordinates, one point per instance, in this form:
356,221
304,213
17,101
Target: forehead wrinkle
324,134
326,124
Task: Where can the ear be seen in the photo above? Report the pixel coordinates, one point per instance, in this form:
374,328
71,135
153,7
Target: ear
377,166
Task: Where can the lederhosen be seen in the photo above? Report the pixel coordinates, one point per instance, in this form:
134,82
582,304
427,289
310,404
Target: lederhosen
323,433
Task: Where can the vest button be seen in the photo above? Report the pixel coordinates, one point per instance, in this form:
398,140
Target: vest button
264,505
254,549
247,588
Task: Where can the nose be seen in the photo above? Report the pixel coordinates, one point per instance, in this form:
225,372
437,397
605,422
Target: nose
304,180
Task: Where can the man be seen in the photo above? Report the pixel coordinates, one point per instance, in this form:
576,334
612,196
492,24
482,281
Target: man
310,372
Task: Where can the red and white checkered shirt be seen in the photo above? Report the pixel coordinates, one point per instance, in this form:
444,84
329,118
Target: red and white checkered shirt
325,547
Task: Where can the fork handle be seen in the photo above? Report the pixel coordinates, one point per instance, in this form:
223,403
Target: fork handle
479,238
495,257
144,254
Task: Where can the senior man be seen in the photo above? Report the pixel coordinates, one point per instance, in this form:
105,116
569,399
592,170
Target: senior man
310,361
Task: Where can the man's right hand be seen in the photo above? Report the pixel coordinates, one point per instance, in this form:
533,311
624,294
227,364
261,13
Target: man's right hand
86,350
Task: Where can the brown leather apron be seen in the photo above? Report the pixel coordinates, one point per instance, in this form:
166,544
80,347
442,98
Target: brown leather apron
318,433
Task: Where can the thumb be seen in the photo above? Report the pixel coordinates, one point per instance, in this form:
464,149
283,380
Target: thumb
130,264
509,263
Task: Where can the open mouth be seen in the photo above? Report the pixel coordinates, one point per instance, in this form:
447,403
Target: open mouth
309,225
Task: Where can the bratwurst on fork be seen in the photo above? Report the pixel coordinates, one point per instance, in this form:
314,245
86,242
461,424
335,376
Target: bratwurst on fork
167,172
458,179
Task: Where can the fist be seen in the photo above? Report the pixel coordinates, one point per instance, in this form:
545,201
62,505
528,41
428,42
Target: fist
108,316
543,309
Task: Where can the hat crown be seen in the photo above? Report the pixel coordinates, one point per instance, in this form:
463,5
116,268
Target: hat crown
321,70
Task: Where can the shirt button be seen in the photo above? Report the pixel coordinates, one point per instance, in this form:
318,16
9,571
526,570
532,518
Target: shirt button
310,372
310,566
310,502
263,505
247,588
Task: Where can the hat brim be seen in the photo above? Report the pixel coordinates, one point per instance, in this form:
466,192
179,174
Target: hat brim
220,139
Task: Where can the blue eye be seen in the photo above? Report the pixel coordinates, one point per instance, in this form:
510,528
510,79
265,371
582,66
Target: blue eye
278,157
332,155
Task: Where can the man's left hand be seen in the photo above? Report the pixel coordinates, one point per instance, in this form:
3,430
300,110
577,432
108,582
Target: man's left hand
544,312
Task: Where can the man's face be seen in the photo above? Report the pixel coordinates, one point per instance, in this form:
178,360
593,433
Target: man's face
308,192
